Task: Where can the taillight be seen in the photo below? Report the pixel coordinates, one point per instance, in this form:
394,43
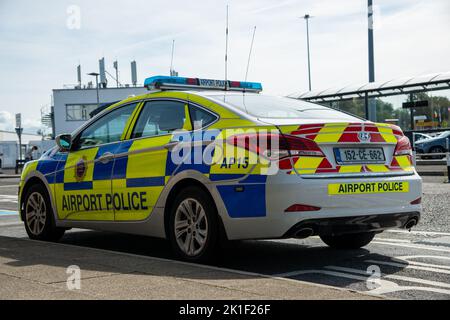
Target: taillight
403,147
276,146
301,207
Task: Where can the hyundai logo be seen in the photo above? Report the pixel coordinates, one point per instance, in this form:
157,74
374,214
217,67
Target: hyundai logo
364,136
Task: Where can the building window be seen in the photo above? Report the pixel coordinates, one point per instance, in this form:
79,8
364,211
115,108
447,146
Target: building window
79,112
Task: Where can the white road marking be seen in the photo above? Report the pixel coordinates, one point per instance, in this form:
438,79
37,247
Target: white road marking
11,224
385,285
8,198
413,246
431,233
393,240
395,277
408,266
422,256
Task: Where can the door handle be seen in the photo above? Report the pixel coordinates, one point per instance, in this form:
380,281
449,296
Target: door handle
106,157
171,145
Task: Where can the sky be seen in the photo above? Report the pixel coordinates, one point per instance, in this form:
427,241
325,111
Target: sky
42,42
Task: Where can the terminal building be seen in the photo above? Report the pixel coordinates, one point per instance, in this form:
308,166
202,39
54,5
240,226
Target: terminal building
73,107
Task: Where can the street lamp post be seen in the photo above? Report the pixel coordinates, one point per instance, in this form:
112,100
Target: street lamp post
95,74
307,17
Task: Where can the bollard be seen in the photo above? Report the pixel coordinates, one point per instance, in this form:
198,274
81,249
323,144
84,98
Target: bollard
448,160
414,149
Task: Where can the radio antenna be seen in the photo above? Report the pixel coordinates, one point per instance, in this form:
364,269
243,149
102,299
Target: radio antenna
226,54
171,60
250,53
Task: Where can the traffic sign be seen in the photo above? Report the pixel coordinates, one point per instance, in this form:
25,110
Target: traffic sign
18,120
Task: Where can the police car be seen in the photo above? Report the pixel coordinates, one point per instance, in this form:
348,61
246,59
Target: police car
198,161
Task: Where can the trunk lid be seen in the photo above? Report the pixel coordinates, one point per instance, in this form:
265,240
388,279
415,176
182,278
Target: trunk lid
350,148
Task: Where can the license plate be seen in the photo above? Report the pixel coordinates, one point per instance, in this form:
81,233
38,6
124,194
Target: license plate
359,155
368,187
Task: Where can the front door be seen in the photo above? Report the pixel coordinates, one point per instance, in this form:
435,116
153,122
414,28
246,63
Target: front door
83,185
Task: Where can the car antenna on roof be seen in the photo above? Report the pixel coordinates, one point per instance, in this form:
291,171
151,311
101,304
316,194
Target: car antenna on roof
226,53
250,53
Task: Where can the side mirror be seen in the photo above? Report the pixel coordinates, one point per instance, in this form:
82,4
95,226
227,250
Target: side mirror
64,141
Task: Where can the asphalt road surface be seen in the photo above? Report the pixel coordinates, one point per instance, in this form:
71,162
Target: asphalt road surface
398,264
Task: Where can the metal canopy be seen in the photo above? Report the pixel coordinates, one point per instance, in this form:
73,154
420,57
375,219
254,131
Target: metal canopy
438,81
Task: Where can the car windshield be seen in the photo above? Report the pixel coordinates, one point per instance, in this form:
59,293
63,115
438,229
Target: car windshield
262,106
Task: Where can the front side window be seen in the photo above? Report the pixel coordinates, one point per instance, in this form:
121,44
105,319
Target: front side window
160,117
107,129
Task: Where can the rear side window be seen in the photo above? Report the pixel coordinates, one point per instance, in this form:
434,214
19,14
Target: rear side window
160,117
262,106
200,118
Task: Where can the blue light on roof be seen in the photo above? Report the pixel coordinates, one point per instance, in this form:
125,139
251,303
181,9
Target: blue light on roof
167,82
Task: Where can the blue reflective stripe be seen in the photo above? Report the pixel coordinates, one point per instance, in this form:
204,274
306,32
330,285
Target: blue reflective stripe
225,176
120,163
248,203
145,182
83,185
46,166
255,178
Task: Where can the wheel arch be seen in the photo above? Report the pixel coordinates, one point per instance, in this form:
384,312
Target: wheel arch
31,181
176,189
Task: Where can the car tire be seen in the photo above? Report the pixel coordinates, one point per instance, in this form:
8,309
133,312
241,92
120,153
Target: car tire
193,225
38,215
349,241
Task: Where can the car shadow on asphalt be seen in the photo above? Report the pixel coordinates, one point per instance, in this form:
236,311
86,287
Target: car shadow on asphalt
278,258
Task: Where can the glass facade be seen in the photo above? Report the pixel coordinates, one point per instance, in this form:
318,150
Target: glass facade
79,112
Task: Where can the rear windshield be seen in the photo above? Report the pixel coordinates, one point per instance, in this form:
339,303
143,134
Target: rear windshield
262,106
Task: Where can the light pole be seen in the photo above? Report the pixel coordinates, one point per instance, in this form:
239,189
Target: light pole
95,74
307,17
371,112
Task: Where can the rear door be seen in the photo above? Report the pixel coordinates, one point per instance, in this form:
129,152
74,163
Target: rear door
143,164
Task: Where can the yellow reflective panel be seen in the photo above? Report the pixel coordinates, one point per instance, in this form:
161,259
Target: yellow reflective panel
307,165
221,111
350,169
288,129
80,197
135,196
77,158
89,204
377,168
404,163
232,123
144,160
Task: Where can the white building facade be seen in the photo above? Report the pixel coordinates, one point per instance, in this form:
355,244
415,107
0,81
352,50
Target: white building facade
72,107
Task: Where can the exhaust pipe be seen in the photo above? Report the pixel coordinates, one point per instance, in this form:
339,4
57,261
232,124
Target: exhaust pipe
304,233
411,223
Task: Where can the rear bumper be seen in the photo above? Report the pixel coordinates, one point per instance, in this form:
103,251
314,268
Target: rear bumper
358,224
341,213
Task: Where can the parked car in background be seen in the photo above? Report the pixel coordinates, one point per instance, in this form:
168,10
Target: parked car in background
436,144
421,136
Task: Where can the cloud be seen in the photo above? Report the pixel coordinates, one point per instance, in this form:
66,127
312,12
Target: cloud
30,125
6,120
40,53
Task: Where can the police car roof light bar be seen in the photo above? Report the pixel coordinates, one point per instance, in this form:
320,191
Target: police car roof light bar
182,83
